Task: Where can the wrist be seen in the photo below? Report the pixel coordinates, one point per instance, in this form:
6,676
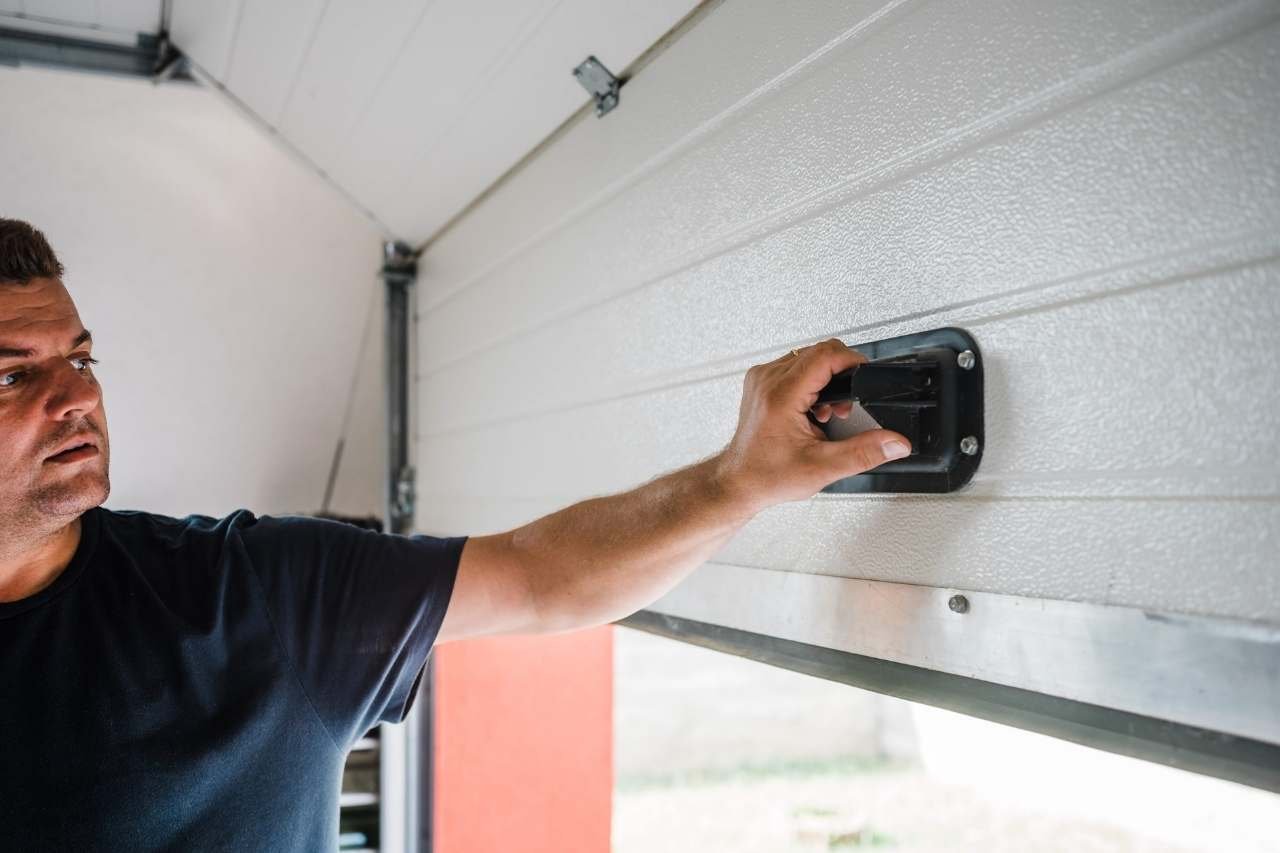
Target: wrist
731,490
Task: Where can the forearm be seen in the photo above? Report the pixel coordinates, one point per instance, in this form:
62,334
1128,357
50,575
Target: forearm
605,558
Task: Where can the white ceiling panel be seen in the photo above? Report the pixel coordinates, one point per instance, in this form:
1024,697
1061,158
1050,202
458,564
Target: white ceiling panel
354,49
414,107
445,71
271,40
520,104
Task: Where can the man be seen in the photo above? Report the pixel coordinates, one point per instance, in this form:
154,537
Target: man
194,684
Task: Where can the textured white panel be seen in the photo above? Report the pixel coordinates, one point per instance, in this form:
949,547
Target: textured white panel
271,42
741,218
1074,433
204,30
1085,223
354,48
225,286
1090,189
609,155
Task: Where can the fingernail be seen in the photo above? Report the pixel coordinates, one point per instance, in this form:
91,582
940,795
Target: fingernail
893,448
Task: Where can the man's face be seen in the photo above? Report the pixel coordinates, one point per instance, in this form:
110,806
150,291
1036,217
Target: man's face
49,402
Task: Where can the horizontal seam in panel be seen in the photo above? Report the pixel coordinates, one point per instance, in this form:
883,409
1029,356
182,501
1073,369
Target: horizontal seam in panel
692,140
1019,117
738,363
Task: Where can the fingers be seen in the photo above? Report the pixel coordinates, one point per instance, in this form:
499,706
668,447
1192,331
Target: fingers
826,411
862,452
812,368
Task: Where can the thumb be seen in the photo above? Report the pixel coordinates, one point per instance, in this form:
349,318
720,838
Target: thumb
864,451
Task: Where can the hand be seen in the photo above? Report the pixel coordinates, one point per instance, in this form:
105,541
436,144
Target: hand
777,454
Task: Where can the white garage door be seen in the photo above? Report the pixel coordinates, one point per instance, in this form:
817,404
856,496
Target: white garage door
1090,189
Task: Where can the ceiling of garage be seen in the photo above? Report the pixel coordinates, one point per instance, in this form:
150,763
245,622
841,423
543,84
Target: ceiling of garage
411,107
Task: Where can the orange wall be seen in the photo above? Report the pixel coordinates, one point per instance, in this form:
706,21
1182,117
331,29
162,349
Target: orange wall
524,744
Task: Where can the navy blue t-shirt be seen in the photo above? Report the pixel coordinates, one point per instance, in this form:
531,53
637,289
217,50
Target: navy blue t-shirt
196,683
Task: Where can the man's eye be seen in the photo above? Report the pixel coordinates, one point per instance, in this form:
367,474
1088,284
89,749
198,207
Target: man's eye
84,363
8,380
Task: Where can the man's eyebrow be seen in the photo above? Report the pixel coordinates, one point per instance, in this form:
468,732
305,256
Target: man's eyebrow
14,352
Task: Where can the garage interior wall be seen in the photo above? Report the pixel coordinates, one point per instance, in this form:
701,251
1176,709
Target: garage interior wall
1088,188
228,292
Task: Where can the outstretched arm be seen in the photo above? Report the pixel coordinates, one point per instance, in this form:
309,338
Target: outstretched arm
602,559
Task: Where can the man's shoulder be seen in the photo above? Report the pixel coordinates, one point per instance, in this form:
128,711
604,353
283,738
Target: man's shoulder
135,528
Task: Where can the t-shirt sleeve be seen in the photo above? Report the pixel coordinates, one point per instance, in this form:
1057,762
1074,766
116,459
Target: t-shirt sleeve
356,612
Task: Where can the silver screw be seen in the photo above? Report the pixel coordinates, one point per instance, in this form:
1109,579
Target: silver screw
966,360
958,604
968,445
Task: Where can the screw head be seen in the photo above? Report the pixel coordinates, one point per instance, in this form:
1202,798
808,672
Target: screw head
968,445
958,604
966,360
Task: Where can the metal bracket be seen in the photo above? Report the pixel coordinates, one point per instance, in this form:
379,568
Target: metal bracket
170,62
599,83
148,56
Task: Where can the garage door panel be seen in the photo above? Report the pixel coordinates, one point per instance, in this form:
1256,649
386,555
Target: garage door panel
554,372
990,545
1103,394
840,72
1089,190
704,206
585,173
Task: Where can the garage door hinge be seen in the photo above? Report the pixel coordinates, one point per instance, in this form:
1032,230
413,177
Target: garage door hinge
601,85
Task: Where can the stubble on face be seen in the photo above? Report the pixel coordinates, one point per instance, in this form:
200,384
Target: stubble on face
70,494
38,496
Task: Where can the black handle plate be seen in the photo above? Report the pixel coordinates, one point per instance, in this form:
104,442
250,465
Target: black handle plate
916,385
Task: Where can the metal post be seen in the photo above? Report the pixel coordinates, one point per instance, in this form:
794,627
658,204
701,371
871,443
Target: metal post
399,271
405,773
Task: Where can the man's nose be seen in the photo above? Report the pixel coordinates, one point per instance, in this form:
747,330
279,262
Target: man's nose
74,394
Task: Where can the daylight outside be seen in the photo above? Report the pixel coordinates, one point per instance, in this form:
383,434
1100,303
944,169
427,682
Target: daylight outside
720,754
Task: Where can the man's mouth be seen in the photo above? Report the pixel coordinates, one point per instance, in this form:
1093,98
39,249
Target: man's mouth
76,453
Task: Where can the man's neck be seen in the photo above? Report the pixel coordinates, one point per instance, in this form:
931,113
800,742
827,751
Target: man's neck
30,566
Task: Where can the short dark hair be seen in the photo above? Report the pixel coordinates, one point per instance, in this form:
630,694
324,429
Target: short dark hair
25,254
